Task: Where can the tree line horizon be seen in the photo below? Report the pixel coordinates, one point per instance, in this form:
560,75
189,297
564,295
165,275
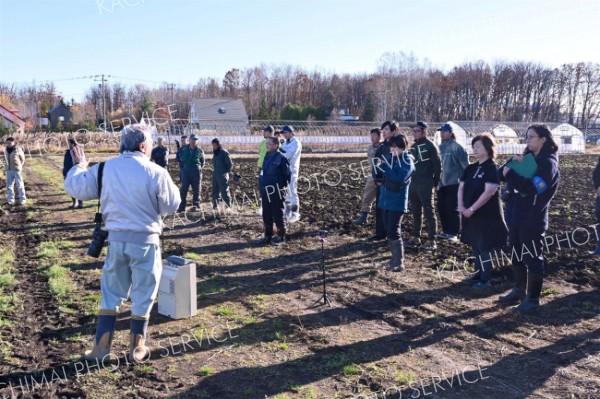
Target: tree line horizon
402,88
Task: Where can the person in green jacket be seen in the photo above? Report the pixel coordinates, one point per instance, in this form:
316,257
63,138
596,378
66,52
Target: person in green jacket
222,166
424,182
192,161
268,131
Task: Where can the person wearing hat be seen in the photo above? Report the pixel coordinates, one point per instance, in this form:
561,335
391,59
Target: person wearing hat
454,162
14,158
222,166
160,154
67,165
424,182
596,181
370,190
192,159
292,150
274,177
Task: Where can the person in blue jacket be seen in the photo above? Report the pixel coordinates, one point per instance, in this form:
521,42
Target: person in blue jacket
273,179
528,218
393,199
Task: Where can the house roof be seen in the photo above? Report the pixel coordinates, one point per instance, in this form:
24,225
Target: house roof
6,111
218,109
57,106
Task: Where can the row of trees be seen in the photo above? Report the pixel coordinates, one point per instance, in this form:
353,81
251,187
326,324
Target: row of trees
403,88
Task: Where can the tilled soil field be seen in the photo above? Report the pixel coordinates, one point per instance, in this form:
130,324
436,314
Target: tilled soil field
420,333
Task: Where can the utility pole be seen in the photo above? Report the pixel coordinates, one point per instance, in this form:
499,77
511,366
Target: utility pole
171,88
102,80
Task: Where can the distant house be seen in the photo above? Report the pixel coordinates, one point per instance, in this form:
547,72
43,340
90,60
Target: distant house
220,115
10,118
60,112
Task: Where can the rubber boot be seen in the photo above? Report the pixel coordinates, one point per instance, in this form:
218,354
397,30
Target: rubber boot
279,239
364,216
105,330
531,303
597,250
397,261
138,351
518,292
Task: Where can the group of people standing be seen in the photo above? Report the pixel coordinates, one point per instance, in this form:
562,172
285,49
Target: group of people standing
278,171
190,158
468,200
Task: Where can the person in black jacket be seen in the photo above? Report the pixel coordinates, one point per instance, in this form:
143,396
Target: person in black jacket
274,178
596,178
160,154
483,227
528,222
424,183
67,165
222,166
388,129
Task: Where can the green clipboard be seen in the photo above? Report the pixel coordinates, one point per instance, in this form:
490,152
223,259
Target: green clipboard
527,168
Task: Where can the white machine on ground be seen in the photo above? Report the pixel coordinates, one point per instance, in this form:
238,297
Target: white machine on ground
177,288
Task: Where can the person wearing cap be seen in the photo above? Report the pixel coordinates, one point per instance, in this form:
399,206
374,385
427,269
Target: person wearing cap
222,166
160,154
274,178
454,162
14,159
292,150
388,130
596,181
136,194
370,190
67,165
424,182
192,159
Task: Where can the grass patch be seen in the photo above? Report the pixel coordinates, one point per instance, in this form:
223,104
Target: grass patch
204,371
223,311
59,281
141,369
404,377
550,291
351,369
193,256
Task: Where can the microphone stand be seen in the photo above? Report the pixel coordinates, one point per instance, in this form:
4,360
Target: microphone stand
325,296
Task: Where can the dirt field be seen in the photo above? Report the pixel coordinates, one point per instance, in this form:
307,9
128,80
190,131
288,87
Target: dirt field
420,333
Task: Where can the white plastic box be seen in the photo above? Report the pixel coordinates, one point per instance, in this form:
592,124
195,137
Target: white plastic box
177,288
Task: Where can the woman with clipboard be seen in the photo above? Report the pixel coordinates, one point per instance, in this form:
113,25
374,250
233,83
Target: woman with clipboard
533,189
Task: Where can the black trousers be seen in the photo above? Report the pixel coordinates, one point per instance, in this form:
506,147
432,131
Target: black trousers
380,230
527,246
447,204
272,211
392,221
420,201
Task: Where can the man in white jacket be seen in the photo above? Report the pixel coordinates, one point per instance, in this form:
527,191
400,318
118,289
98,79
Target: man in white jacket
135,194
292,150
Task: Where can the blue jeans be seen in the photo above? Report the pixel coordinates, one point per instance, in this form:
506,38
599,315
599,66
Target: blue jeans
131,270
13,177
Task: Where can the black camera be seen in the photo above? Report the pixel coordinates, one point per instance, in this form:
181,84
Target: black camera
99,237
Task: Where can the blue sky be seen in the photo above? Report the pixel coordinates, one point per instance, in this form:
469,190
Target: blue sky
180,41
